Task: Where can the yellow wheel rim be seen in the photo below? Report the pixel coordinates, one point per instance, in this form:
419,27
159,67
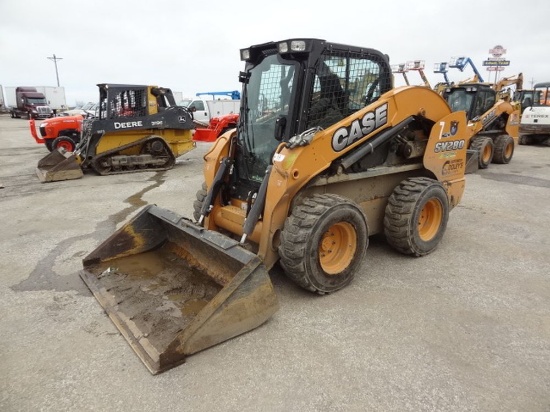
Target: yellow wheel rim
429,220
509,149
337,248
486,153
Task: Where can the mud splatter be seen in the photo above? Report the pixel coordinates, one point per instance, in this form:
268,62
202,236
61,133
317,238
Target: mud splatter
44,278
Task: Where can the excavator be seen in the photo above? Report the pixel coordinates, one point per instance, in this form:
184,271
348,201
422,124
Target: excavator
138,128
326,153
535,122
493,123
502,87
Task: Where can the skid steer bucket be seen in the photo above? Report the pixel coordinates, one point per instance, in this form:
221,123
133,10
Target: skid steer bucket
173,288
58,165
472,161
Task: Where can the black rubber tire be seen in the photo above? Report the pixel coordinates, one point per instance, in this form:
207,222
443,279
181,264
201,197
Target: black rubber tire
64,141
416,216
49,144
73,134
314,226
197,204
504,149
485,149
525,139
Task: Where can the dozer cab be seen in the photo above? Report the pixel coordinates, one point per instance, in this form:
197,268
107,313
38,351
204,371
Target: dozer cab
326,154
138,128
493,123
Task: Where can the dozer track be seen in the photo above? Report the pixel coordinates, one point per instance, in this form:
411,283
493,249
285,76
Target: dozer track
155,155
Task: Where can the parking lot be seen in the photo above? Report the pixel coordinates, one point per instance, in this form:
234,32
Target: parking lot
466,328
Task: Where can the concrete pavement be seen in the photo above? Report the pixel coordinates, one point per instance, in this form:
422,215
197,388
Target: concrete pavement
466,328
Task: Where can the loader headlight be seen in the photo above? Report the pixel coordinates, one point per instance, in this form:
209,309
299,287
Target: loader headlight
292,46
245,54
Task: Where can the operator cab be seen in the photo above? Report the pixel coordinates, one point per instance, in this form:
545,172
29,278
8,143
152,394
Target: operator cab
296,85
474,99
541,94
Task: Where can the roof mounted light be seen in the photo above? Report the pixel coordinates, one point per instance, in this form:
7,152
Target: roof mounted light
245,54
292,46
283,47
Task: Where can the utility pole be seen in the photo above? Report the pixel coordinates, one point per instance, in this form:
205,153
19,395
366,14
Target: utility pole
55,59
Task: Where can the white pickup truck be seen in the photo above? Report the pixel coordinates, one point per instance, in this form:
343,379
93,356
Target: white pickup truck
204,110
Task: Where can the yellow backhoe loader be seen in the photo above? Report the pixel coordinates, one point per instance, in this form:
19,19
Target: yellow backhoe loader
139,128
326,154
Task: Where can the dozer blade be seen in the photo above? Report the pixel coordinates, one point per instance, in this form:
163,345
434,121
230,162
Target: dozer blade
58,165
173,288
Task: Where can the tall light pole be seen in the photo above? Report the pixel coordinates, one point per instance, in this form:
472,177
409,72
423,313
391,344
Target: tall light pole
55,59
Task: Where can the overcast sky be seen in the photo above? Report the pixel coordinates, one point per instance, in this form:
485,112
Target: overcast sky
193,46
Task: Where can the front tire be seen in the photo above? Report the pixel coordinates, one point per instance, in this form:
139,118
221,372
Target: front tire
64,142
323,242
485,149
416,216
504,149
49,144
197,204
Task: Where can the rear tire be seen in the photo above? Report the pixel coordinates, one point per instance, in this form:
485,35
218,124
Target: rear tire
197,204
504,149
64,142
416,216
485,149
323,242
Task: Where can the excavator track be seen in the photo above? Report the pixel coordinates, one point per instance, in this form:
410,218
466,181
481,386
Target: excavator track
154,155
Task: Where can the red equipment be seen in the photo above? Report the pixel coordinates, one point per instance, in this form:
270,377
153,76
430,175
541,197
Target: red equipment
63,131
216,127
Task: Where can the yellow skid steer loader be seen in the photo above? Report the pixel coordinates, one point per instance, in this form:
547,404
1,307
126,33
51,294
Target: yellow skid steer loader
326,154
